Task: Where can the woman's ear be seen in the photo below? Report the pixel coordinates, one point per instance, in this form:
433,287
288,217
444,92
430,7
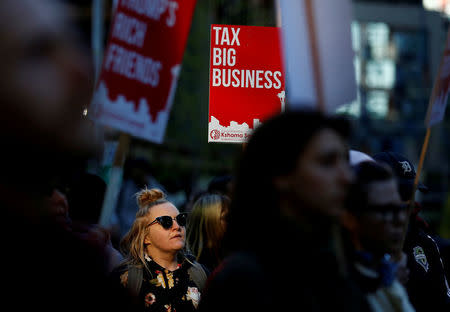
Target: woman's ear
147,239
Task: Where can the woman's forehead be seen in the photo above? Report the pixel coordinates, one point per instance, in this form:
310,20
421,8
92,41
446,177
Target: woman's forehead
326,141
164,209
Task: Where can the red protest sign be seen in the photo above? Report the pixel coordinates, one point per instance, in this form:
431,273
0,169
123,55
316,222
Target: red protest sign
441,88
246,84
141,66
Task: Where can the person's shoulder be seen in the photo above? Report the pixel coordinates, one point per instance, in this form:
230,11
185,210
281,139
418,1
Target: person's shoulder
417,236
198,273
119,270
243,273
244,258
239,266
425,241
193,263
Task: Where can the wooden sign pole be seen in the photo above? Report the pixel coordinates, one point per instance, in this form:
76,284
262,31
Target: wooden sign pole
422,158
314,54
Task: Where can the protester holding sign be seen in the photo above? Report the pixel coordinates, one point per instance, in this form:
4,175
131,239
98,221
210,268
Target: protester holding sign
282,233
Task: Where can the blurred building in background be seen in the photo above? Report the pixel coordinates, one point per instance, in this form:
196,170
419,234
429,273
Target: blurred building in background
398,48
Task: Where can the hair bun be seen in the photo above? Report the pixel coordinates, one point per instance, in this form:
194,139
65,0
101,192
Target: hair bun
147,196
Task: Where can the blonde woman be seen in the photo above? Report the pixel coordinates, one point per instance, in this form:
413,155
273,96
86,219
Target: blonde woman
156,272
206,228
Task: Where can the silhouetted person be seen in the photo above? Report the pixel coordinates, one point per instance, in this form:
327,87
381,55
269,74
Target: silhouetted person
44,86
85,194
221,184
375,221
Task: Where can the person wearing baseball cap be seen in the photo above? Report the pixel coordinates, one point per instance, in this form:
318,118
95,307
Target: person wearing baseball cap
427,284
356,157
374,223
404,171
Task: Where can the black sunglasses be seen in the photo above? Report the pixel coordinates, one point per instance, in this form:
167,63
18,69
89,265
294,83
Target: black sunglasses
167,221
387,212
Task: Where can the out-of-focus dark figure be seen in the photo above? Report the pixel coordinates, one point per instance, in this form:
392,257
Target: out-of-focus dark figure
221,184
375,221
398,256
45,83
85,194
427,282
283,238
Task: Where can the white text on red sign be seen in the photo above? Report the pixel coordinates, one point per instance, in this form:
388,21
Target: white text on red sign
237,78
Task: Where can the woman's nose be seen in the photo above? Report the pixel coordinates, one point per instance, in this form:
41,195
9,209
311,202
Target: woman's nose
175,225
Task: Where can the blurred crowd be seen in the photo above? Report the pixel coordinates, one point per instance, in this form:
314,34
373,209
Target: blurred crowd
303,222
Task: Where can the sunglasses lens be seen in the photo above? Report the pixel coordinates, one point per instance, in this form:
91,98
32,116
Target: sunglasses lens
165,221
181,219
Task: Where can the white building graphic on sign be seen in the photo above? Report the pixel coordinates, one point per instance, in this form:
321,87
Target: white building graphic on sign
234,126
235,132
122,114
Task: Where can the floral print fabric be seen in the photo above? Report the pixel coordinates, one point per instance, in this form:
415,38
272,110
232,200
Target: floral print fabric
163,290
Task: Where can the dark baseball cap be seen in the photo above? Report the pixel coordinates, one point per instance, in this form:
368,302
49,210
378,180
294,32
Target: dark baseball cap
404,171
